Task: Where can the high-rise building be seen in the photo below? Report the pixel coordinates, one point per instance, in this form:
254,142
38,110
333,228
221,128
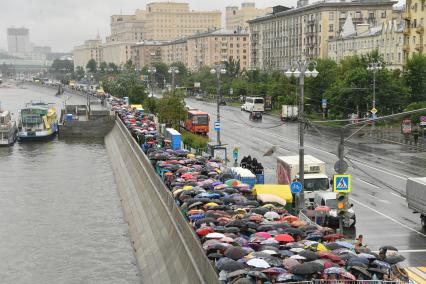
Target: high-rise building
415,30
131,28
238,18
18,41
278,39
170,20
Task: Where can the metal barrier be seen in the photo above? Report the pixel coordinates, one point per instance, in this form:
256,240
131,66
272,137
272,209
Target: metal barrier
322,281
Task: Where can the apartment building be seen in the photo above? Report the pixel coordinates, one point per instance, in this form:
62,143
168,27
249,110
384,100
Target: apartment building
175,51
128,27
170,20
216,46
237,18
278,39
387,39
91,49
146,53
415,32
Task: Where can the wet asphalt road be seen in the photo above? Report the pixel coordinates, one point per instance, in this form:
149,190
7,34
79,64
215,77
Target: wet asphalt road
379,174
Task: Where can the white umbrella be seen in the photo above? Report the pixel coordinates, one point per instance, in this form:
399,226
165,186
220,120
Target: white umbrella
258,262
215,236
271,215
297,257
297,250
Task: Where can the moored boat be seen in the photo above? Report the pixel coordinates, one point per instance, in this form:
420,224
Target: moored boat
8,129
37,121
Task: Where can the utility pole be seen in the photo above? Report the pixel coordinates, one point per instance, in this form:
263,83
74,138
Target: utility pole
302,70
218,70
374,67
151,71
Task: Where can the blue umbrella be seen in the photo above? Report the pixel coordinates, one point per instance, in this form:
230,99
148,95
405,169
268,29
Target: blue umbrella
345,245
334,270
197,217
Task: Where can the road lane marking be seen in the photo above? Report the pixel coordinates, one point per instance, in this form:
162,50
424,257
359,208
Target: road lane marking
388,217
416,275
369,183
411,250
397,195
379,199
380,169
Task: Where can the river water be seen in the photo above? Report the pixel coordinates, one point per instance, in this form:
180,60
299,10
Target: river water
60,215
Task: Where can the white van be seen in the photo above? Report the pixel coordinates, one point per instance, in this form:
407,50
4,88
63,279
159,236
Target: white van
254,104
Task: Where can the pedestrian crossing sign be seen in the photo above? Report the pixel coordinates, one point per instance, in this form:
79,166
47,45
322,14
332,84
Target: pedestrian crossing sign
342,183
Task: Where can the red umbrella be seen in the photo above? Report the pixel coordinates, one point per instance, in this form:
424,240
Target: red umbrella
290,218
333,237
322,209
264,235
329,255
286,238
348,275
187,176
204,231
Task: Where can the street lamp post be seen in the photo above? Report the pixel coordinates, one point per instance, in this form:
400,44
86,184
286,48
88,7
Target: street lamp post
300,72
152,71
218,70
88,78
374,67
173,70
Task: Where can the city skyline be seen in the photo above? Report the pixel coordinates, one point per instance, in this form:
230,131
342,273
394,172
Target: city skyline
64,25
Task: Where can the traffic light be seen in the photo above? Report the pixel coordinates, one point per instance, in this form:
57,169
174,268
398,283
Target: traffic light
342,203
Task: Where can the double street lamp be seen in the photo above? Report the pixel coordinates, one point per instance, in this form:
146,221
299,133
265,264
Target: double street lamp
374,67
301,71
88,78
218,70
151,71
173,70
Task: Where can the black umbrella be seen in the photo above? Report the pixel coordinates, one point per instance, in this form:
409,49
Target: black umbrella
229,265
394,259
362,270
309,255
215,255
259,210
307,268
237,273
235,253
251,203
205,221
232,230
308,228
235,223
257,274
274,261
333,246
293,231
219,229
357,260
265,228
282,225
252,225
385,248
269,247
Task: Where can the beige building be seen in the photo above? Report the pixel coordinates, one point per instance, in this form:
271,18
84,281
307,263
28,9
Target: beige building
117,52
129,28
387,39
278,39
91,49
170,20
238,18
214,47
415,31
146,53
175,51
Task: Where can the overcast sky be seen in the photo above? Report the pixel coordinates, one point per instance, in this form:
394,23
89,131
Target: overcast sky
63,24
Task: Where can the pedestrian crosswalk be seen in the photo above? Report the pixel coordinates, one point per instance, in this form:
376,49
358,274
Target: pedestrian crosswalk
417,274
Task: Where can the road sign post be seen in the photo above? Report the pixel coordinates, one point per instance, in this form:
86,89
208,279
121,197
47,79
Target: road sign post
342,183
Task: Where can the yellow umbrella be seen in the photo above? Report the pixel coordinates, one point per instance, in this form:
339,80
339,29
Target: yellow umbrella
211,204
187,187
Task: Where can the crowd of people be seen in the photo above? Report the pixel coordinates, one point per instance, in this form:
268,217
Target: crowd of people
246,240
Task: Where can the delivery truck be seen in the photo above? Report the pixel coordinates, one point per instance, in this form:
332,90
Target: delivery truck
416,197
315,177
289,112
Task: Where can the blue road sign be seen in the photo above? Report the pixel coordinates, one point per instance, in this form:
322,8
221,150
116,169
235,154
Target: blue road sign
324,103
216,125
235,153
342,183
296,187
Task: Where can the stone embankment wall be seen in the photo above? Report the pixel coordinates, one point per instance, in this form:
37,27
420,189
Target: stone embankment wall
166,247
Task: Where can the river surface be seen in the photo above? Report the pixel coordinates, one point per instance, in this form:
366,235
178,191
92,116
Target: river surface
61,219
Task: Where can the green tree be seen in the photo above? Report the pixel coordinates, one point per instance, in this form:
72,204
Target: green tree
151,105
137,94
182,76
103,66
63,66
91,65
171,108
415,77
112,67
79,73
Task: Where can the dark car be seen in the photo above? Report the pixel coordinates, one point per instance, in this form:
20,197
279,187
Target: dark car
255,116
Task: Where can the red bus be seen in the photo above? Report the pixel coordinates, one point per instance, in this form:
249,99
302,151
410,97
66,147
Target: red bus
197,122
